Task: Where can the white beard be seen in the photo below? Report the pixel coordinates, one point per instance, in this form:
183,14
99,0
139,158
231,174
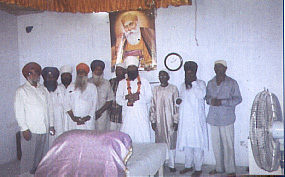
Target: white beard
81,83
34,81
97,79
134,36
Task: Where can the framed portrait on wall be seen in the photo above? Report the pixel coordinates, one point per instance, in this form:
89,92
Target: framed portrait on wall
133,34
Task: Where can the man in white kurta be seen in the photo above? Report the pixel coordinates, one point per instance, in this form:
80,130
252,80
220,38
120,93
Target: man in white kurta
192,130
50,76
134,102
34,114
82,102
105,95
164,115
57,98
66,82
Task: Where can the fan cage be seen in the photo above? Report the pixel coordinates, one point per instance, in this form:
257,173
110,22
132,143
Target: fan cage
266,150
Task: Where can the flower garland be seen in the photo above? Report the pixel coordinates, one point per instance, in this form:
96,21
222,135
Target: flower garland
129,85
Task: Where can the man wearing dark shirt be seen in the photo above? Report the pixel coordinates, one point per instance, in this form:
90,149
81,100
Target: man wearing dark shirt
116,110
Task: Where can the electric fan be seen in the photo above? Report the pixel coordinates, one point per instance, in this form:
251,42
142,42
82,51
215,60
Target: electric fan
266,131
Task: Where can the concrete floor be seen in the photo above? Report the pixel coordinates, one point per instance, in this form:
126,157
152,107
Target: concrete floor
12,169
240,171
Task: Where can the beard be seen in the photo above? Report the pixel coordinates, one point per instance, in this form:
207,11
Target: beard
65,81
97,80
132,75
120,77
188,84
189,80
134,36
50,85
81,83
34,81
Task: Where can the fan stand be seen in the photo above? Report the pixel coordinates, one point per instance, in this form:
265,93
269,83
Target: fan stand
254,168
266,142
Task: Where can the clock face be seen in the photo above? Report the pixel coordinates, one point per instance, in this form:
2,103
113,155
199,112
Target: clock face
173,61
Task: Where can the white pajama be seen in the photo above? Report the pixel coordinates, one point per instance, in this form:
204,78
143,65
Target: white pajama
194,157
223,146
171,160
192,130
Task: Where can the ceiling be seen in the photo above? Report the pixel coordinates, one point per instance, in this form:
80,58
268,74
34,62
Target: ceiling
17,10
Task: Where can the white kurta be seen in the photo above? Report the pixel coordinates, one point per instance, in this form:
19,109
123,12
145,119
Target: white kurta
67,119
82,104
164,113
135,118
33,111
33,108
59,121
105,94
192,129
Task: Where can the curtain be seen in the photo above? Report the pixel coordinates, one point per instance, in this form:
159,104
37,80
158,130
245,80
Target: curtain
88,6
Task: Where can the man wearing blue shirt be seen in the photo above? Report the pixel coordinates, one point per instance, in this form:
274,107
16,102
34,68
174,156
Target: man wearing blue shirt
223,95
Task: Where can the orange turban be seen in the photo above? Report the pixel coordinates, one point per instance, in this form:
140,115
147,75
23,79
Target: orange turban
129,17
83,66
31,66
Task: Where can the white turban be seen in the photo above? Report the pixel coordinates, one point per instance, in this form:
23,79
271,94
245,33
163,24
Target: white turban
223,62
122,65
131,60
65,69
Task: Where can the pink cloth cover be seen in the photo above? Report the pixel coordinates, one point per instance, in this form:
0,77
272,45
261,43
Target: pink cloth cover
87,153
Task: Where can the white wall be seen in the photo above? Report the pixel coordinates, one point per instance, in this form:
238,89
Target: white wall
246,33
9,81
64,38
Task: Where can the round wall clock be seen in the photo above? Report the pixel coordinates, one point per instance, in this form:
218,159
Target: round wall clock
173,62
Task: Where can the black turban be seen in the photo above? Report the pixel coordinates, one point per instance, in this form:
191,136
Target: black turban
53,70
31,66
191,65
97,63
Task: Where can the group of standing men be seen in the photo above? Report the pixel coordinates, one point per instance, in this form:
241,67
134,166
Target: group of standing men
123,104
179,119
46,111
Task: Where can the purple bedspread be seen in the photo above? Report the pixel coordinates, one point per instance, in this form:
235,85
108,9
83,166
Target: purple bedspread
87,153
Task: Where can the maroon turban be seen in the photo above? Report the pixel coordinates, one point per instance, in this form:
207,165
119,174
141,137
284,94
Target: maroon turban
31,66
